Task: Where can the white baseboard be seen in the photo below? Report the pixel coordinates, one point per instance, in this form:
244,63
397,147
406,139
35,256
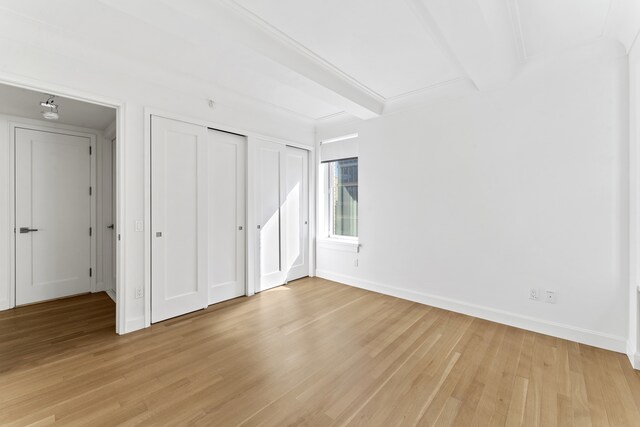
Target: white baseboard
112,294
634,358
134,324
572,333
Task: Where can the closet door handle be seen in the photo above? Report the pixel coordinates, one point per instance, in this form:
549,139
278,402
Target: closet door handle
110,226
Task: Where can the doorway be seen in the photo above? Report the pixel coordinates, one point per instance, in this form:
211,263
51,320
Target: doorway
54,148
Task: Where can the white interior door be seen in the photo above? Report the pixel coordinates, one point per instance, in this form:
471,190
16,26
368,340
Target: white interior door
112,225
108,201
53,215
271,158
227,158
179,222
296,211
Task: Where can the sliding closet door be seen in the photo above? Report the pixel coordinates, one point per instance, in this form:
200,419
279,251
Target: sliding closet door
270,196
296,210
227,157
178,218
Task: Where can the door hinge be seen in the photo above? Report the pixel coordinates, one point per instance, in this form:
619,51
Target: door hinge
91,191
90,150
90,231
90,272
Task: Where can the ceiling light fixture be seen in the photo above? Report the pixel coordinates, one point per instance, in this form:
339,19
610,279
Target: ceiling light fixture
50,109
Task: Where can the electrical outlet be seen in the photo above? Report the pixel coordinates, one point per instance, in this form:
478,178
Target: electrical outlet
550,297
533,294
139,293
139,225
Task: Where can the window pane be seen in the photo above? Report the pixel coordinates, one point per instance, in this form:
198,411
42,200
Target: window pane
344,197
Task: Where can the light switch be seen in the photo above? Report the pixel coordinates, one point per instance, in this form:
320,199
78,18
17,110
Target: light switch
139,225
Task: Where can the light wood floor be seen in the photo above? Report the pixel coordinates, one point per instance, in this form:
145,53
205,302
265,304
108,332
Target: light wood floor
311,353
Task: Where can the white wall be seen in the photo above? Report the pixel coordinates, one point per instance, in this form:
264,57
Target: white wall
469,203
105,76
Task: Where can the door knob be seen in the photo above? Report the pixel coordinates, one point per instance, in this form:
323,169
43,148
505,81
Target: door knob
27,230
110,226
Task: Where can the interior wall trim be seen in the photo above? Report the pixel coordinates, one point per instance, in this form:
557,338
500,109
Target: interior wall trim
134,324
558,330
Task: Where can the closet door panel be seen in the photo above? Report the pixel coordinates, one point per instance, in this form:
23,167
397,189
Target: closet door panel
296,211
227,154
270,189
178,218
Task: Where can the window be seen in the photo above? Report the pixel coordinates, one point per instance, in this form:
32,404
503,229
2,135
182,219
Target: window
342,197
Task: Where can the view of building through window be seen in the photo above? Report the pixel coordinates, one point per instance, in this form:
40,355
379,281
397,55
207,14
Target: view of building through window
343,197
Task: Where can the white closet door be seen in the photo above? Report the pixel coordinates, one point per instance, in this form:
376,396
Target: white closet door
296,212
179,221
227,157
53,215
270,176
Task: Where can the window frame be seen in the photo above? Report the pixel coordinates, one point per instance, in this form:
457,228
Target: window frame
328,200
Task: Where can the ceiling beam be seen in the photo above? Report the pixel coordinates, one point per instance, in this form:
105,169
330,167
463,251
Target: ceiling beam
225,18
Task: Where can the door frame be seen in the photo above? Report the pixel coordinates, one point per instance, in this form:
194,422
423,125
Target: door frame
251,243
15,124
119,106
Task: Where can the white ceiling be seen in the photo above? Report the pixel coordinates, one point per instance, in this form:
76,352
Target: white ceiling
548,26
141,36
317,58
379,43
20,102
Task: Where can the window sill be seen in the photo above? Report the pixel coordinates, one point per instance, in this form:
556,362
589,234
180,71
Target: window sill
344,245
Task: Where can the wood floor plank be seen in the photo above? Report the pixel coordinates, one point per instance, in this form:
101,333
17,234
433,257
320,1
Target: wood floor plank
313,352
